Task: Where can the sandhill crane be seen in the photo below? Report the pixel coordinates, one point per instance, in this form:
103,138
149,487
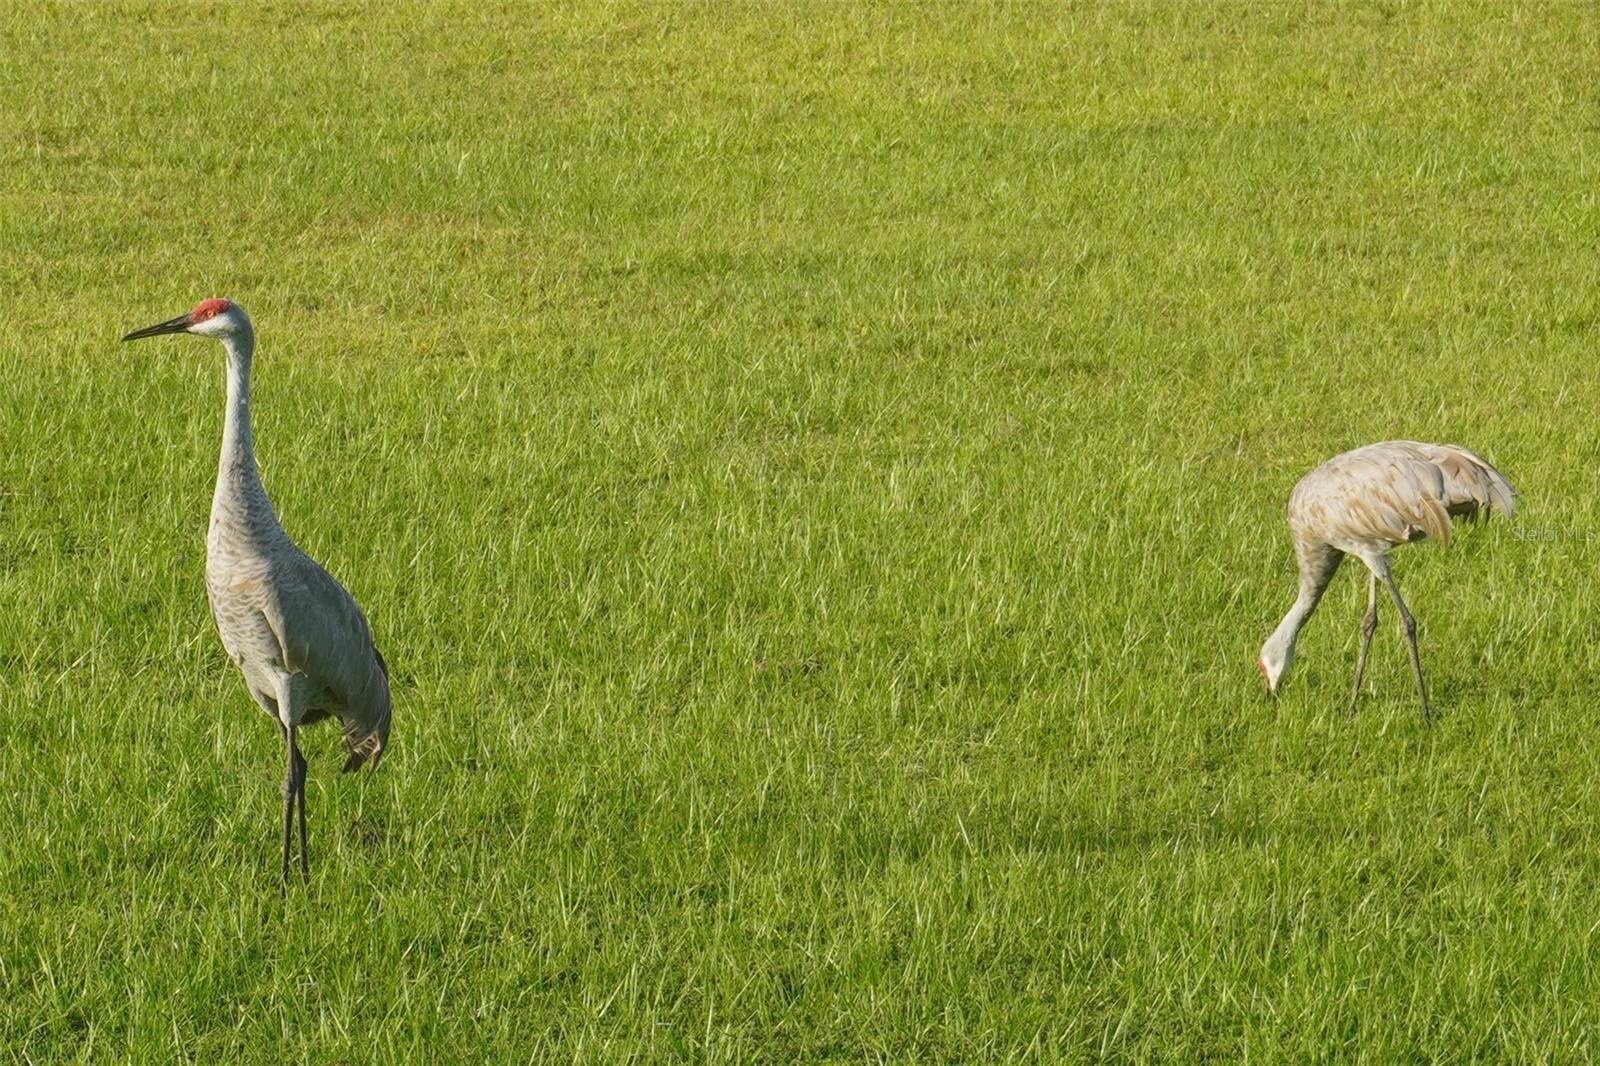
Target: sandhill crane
1363,503
299,639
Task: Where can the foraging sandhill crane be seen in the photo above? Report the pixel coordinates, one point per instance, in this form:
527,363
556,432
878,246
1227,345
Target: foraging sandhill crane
299,639
1363,503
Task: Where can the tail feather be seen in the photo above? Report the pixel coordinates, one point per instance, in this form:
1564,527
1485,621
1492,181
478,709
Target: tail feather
1473,488
365,738
360,747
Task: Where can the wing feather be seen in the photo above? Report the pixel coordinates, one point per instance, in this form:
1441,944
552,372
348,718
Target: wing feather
1398,491
323,635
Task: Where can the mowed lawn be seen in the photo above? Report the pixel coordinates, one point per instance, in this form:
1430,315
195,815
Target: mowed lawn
817,475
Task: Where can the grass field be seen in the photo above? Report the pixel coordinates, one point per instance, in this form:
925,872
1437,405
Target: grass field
817,476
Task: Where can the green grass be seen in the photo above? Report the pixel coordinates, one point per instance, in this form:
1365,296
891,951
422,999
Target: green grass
817,475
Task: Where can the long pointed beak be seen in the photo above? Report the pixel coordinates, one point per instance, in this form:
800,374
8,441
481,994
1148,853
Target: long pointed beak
172,325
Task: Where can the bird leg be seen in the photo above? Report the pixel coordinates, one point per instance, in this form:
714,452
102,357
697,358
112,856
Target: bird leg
294,798
300,804
1408,625
290,783
1368,624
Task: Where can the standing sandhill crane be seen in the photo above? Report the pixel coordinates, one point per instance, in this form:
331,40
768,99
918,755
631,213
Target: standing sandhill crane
299,639
1363,503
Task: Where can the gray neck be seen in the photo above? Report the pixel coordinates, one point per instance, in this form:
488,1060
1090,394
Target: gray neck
240,497
238,448
1299,614
1313,582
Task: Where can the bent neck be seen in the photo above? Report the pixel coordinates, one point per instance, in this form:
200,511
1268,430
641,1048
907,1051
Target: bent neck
1283,638
1312,586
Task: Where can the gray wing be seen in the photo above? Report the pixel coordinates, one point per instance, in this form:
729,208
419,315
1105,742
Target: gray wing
1398,491
323,635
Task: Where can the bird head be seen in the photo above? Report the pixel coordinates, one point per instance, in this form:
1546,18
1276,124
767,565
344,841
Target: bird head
1276,655
210,318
